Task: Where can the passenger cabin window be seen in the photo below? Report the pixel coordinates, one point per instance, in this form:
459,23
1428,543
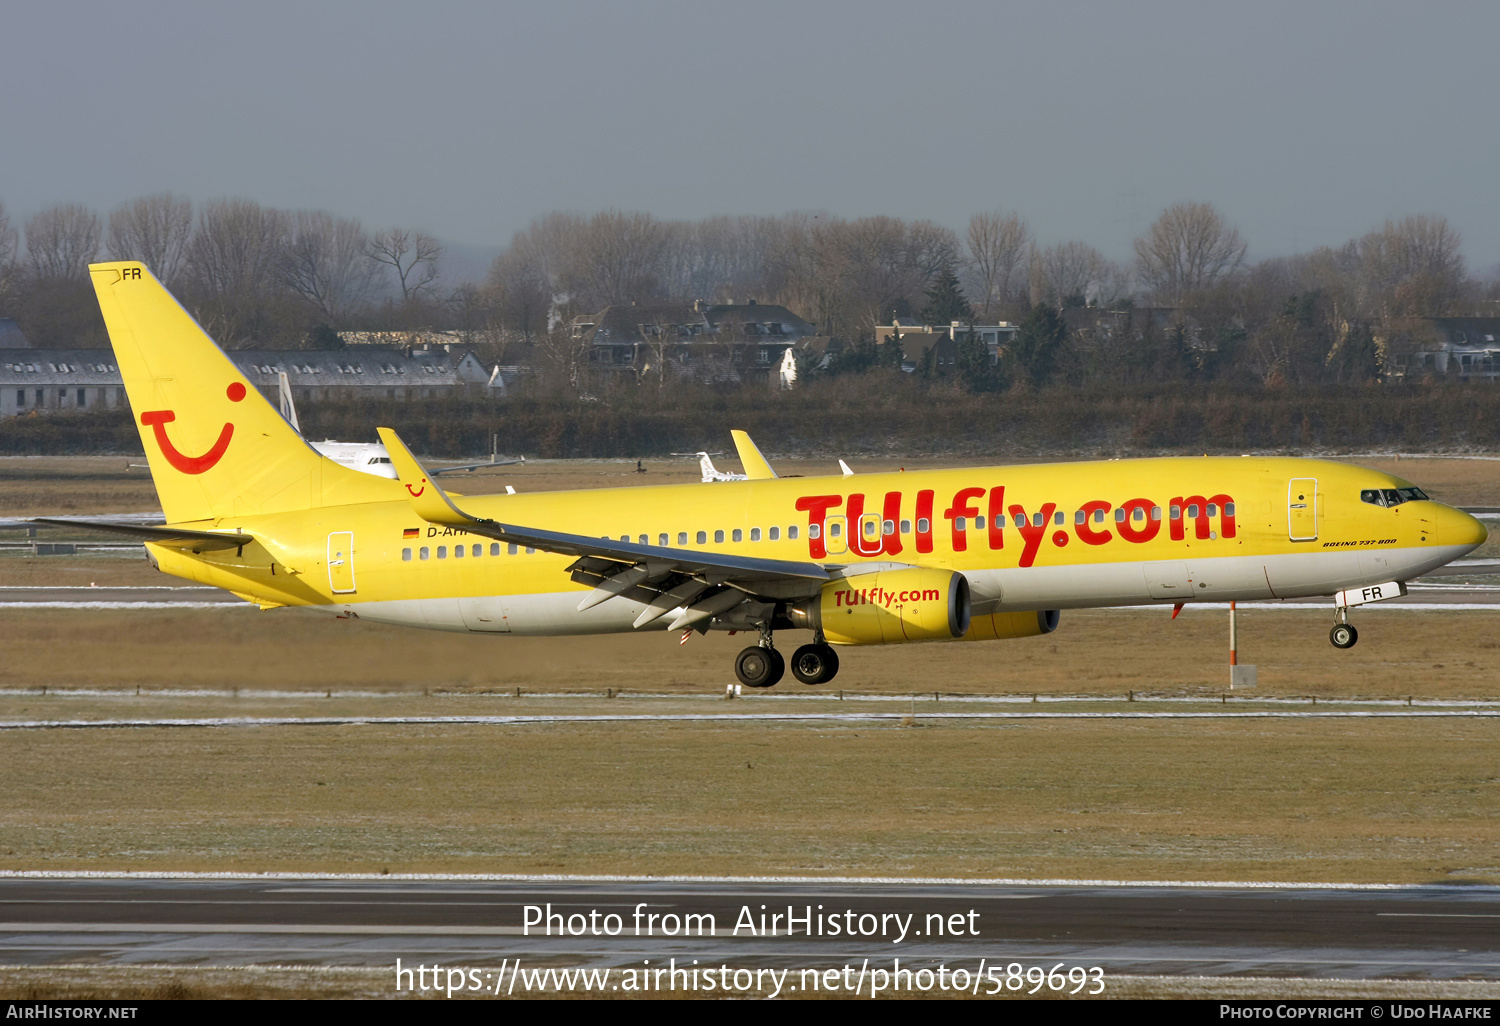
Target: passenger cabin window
791,532
681,537
702,537
773,534
718,537
406,555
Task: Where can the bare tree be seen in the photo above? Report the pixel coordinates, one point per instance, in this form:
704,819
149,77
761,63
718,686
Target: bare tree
234,259
1189,247
1412,267
325,261
61,241
932,249
414,256
1068,274
998,245
616,258
8,242
154,230
521,291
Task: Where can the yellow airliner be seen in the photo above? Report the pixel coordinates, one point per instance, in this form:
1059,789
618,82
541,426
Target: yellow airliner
976,554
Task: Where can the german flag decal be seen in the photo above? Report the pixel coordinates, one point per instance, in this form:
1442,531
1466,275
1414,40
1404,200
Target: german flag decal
411,532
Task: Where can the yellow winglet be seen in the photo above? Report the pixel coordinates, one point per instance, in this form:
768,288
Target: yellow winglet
756,467
428,499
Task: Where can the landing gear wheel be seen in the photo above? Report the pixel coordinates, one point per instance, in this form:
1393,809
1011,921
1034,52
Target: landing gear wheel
758,667
815,664
1343,635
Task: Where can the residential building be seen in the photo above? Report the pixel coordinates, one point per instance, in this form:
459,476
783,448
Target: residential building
723,342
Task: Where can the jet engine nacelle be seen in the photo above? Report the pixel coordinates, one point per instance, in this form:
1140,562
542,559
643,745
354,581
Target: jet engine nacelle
889,607
1000,626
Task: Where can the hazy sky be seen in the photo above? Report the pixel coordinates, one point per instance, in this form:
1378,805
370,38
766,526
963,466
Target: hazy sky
1306,123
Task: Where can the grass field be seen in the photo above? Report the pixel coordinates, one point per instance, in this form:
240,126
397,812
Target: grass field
1400,800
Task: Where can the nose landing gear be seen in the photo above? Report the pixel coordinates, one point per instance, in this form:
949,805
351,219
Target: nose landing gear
1343,634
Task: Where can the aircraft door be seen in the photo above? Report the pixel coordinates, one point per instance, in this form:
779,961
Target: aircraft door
1168,581
1302,509
487,614
341,562
835,540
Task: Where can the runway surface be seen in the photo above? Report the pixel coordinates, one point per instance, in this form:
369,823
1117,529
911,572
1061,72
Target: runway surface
1282,930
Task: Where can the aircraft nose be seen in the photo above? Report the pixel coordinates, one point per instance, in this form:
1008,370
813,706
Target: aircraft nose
1455,527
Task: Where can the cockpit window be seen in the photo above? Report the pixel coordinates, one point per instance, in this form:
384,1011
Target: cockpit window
1390,496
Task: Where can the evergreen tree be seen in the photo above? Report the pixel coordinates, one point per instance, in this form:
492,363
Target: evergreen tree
324,337
946,302
976,369
1036,343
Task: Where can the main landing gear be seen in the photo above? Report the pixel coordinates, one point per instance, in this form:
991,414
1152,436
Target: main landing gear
1343,634
761,666
815,664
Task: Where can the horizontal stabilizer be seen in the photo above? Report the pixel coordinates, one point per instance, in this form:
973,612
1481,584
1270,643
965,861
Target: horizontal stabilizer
165,534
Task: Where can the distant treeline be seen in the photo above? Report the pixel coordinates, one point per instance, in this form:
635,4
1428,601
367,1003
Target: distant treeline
876,414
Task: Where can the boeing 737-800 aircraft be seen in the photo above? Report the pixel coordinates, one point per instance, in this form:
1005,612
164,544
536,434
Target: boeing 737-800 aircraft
976,554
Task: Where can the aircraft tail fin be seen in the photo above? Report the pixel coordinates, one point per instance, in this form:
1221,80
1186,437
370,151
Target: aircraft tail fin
216,447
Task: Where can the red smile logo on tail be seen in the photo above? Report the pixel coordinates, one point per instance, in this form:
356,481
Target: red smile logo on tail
158,420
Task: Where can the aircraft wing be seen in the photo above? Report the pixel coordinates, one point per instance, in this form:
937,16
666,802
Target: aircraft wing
703,584
471,467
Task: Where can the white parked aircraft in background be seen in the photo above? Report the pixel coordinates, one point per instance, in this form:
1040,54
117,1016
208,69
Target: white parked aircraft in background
366,457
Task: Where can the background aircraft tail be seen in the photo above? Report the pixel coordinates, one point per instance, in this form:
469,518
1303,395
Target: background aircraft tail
216,447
